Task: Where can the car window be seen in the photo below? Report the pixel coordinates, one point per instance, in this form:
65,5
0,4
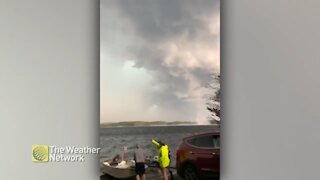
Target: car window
208,141
205,141
192,141
202,141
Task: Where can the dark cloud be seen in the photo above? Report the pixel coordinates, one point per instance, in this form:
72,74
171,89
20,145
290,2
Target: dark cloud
172,41
160,20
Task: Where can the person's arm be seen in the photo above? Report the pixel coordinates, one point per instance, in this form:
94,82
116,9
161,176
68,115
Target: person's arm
155,143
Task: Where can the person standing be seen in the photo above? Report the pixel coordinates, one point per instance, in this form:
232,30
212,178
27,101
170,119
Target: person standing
140,163
164,157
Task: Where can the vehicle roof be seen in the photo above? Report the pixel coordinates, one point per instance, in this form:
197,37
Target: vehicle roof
202,133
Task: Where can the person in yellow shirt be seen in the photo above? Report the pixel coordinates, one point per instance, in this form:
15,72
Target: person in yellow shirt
164,157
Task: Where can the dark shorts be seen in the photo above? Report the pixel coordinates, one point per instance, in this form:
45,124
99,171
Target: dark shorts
140,168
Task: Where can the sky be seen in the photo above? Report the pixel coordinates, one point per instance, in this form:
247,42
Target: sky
156,57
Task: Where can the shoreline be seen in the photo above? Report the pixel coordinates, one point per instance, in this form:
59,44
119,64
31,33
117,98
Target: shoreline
144,126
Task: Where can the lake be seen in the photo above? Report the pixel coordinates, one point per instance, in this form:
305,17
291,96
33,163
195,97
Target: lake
113,140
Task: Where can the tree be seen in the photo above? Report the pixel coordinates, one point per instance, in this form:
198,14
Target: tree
213,99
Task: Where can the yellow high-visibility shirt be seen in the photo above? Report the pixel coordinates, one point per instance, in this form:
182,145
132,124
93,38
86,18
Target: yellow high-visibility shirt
163,154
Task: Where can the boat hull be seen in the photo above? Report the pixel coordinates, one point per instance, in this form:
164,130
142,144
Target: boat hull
120,173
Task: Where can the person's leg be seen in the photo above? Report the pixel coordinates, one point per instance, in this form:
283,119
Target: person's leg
164,173
122,156
137,177
143,171
169,173
137,171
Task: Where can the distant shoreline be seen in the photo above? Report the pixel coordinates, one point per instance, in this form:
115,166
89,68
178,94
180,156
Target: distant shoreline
182,125
146,124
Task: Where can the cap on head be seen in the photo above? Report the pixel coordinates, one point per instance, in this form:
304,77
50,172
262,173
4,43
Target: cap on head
161,142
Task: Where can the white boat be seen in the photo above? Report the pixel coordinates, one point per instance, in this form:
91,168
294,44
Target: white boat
124,169
119,172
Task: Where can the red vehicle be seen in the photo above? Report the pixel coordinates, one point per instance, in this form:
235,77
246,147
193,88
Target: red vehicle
198,156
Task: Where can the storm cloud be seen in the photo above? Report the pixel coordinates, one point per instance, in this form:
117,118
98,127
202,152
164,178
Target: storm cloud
176,43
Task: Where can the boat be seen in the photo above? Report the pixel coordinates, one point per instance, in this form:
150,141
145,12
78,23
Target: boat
117,172
124,169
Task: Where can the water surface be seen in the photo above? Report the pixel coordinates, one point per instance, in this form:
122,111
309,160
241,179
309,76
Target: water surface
112,140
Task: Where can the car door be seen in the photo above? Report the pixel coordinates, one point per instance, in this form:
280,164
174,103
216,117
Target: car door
208,154
215,154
